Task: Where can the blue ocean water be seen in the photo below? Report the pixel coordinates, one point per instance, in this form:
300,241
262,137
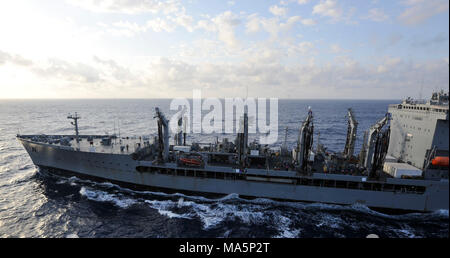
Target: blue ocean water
36,203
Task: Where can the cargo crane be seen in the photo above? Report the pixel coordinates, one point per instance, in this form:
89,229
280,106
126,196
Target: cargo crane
304,143
163,136
351,135
374,150
242,141
380,150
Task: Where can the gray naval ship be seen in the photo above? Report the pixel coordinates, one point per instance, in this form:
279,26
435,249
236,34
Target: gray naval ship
402,166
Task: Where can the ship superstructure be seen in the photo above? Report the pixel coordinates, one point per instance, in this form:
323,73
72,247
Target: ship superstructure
420,134
412,174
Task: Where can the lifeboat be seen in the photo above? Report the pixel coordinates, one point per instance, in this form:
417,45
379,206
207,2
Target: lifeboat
191,160
440,161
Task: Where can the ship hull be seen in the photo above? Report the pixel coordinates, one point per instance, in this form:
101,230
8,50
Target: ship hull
122,168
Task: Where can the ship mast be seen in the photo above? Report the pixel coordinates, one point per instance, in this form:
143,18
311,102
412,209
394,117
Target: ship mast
75,123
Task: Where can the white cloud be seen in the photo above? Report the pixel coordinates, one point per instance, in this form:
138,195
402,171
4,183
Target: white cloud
303,48
185,21
418,11
159,25
225,24
388,64
110,69
253,22
128,6
206,25
14,59
308,22
336,49
278,11
376,15
128,25
264,74
68,71
272,25
300,2
328,8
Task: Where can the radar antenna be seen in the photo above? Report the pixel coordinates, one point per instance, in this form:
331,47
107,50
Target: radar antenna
75,123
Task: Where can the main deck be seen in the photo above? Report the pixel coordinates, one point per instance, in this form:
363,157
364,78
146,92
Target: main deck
91,143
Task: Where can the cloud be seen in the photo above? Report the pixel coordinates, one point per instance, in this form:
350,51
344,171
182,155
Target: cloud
253,23
272,25
128,6
308,22
436,40
336,49
126,28
14,59
303,48
328,8
159,25
278,11
333,10
110,69
207,25
225,24
68,71
376,15
418,11
264,72
184,20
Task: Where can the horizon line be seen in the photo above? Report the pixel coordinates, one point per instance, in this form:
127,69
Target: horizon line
192,98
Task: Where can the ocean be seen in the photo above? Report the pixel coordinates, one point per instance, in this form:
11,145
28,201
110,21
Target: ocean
36,203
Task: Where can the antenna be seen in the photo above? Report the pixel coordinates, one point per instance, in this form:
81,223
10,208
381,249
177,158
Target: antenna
115,131
318,141
184,129
421,88
75,123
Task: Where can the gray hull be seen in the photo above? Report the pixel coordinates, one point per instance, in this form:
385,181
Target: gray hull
122,168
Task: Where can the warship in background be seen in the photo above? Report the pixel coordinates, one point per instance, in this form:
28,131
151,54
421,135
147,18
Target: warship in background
403,163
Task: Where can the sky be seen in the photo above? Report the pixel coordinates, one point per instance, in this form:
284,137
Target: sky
301,49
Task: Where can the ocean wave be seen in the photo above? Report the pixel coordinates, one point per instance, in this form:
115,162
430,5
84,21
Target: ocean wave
101,196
